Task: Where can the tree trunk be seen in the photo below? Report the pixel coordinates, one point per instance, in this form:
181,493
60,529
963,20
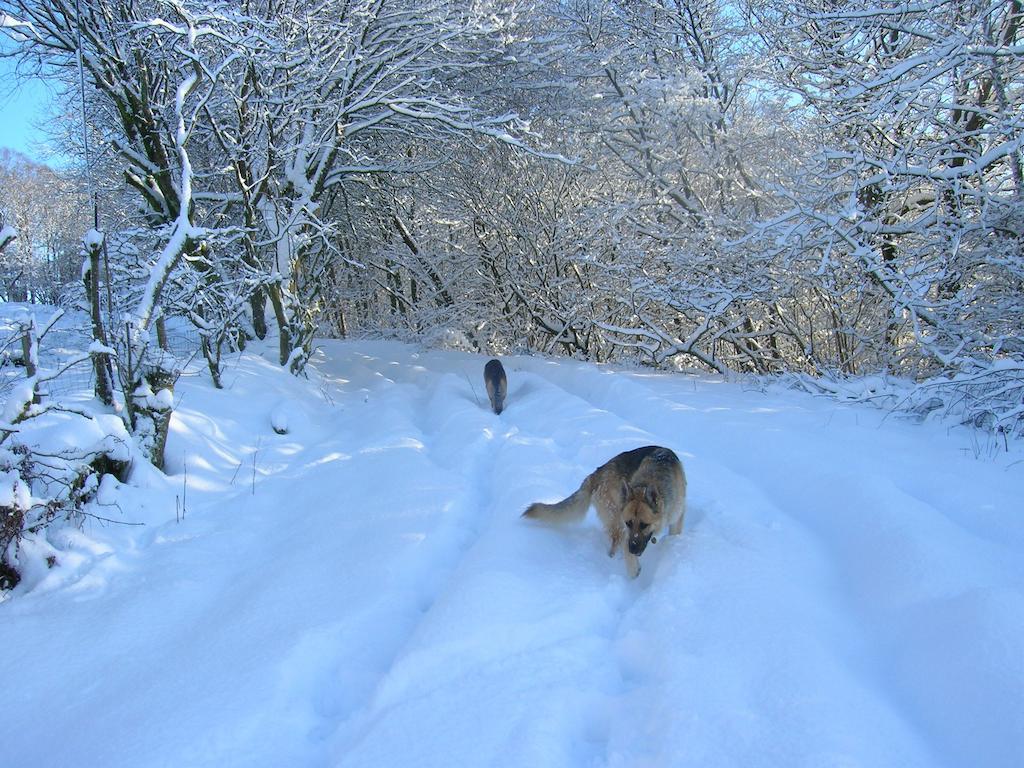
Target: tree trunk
258,304
100,362
284,334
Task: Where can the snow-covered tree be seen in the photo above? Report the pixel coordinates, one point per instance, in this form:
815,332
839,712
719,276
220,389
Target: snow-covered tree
764,187
911,209
49,214
238,130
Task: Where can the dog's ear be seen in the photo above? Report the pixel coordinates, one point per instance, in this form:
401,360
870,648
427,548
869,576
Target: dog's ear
651,496
624,490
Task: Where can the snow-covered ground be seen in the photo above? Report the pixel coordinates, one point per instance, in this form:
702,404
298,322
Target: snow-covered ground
848,589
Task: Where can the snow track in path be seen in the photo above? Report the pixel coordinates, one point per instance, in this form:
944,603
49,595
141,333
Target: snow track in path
515,653
739,644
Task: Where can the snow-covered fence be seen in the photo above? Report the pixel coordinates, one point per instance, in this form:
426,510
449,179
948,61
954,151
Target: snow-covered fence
64,373
56,358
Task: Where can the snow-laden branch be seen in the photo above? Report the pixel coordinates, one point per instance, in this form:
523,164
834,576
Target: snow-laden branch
183,230
8,235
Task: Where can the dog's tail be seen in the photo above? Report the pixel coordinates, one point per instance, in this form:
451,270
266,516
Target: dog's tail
567,510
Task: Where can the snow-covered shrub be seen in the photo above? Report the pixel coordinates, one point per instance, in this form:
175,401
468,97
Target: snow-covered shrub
54,454
989,398
449,338
52,465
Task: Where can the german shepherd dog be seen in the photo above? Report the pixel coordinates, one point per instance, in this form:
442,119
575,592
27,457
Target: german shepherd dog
496,383
636,494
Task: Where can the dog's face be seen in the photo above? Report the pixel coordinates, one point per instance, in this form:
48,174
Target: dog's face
641,517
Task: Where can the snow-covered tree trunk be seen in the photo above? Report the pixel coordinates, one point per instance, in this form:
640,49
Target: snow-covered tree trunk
102,369
153,372
30,354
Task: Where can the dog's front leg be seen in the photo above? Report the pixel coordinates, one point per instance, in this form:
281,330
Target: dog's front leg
614,539
632,565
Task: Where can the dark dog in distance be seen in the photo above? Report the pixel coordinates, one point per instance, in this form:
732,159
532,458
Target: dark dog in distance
496,383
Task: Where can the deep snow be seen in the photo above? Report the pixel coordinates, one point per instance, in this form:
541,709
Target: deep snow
361,591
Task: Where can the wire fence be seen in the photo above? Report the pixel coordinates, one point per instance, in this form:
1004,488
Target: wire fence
60,347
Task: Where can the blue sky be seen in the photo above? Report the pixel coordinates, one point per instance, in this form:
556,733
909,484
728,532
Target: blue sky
22,108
